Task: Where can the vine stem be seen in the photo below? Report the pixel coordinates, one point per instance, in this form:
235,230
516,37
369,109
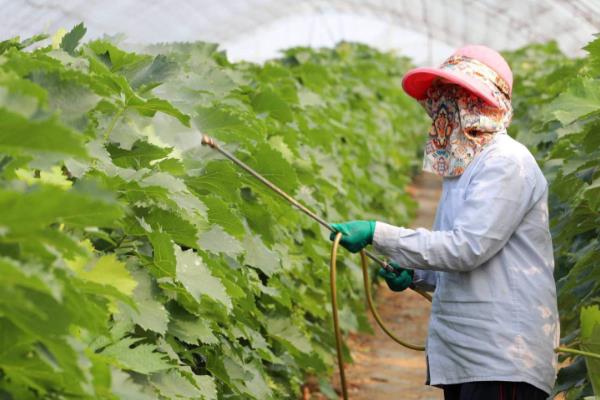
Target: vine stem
575,351
113,122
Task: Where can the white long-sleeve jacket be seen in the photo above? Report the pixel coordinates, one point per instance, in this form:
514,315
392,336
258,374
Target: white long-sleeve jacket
489,257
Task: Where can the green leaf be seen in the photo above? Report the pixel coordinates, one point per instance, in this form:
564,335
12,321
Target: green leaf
15,42
257,385
593,48
55,177
181,230
219,213
259,256
218,178
154,74
216,240
197,279
581,99
571,375
18,134
105,270
115,59
172,384
41,206
71,40
286,331
139,156
590,342
150,312
61,92
269,102
153,105
211,119
226,124
192,331
271,164
125,386
33,39
21,96
163,253
207,386
142,358
15,275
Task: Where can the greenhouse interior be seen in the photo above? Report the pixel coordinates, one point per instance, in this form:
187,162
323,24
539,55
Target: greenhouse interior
311,199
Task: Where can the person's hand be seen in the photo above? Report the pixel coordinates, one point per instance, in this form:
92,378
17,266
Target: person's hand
398,280
356,235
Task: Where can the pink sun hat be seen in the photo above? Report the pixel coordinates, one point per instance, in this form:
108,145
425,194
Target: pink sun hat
490,66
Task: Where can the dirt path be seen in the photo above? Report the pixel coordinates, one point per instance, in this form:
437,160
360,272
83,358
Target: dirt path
383,370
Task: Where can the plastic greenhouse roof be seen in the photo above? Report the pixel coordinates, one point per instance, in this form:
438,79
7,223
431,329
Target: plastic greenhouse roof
426,30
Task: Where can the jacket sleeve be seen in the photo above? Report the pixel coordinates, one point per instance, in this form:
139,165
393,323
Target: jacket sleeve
496,199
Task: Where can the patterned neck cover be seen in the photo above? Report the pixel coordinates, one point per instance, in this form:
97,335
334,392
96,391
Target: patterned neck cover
463,124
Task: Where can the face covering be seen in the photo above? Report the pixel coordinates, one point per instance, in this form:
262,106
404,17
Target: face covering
463,124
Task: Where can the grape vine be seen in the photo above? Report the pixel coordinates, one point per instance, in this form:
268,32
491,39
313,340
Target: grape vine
137,265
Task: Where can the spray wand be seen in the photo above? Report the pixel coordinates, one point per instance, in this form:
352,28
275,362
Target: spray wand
209,141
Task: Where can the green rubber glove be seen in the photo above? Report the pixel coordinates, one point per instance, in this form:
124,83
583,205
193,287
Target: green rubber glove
356,234
399,280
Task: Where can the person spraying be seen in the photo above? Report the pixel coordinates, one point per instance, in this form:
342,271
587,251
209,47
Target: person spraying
489,259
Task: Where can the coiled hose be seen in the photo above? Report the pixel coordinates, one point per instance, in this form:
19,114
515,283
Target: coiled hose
369,296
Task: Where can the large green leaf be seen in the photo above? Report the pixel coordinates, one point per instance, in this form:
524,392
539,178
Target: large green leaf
38,207
19,275
192,330
163,254
131,355
580,100
172,384
139,156
154,74
70,41
153,105
18,134
271,164
125,386
149,313
195,276
259,256
105,270
269,102
216,240
590,342
171,222
219,213
116,59
285,330
219,178
21,96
